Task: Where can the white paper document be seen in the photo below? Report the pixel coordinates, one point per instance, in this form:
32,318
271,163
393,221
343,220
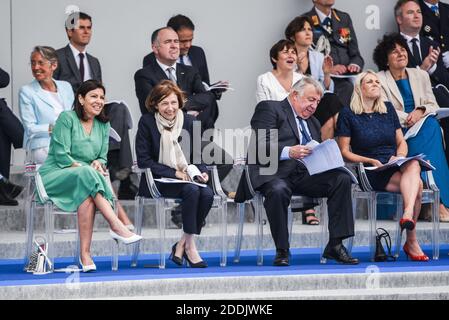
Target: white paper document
194,174
439,114
401,160
325,156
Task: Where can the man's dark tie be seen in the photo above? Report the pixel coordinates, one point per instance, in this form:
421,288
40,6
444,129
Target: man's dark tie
415,52
81,55
435,10
305,136
327,23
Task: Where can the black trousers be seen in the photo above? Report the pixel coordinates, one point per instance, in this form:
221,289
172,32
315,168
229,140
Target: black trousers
334,185
208,107
343,89
196,202
11,132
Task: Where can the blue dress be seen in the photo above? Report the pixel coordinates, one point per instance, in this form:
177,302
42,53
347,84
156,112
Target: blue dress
373,135
428,141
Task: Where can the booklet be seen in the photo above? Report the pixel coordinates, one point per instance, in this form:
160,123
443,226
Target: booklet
194,174
220,85
401,160
325,156
439,114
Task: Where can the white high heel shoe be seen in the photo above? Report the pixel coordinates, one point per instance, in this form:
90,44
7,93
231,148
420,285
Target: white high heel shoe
132,239
130,227
88,268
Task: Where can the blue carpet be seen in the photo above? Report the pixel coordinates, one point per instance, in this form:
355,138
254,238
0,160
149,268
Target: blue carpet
303,262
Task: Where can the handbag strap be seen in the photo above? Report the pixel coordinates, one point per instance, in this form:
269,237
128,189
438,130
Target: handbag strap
387,239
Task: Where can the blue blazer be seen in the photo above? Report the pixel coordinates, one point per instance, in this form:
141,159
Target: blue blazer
37,111
316,60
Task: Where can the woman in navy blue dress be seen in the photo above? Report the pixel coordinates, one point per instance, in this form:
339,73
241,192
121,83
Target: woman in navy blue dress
369,132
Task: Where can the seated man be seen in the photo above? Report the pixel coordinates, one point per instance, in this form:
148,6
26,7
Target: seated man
163,65
293,120
11,132
336,26
76,66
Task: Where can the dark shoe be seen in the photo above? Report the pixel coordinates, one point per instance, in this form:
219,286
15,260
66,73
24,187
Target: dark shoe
5,199
282,258
407,224
179,261
339,254
13,190
201,264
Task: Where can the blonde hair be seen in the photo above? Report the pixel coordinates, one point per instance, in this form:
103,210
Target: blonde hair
357,96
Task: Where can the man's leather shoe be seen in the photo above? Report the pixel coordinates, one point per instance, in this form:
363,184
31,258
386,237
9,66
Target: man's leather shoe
11,189
282,258
339,254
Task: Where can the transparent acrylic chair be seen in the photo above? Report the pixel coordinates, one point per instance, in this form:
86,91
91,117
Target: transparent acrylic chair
297,201
431,195
162,205
35,187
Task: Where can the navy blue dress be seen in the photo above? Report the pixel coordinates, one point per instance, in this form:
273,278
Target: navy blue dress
373,135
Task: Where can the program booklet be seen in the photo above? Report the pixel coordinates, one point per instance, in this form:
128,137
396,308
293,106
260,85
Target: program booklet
401,160
195,177
413,130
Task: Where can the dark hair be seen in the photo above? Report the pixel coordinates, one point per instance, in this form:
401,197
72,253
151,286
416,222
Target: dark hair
155,33
179,22
399,4
162,91
278,47
73,18
296,25
385,47
83,90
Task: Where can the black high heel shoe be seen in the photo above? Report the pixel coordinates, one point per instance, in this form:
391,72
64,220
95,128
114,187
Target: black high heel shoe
201,264
179,261
407,224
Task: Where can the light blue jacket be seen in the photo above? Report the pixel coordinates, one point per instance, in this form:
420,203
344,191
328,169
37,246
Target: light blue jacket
316,60
37,111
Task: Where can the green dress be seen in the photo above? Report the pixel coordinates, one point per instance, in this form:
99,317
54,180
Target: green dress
68,187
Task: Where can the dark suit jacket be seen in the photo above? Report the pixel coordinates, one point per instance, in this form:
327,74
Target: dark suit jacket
4,78
276,115
147,149
188,79
197,57
434,28
441,74
342,53
68,71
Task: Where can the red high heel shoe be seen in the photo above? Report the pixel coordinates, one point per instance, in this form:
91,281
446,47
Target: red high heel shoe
422,257
408,224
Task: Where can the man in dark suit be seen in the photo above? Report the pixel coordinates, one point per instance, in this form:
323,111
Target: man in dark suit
163,65
336,26
76,66
11,133
189,54
436,25
423,52
293,120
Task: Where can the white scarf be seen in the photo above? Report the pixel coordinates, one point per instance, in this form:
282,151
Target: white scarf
170,152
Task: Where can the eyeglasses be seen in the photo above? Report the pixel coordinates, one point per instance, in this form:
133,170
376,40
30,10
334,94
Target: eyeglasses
39,63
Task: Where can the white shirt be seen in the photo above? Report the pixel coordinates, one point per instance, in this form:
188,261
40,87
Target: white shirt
431,5
322,15
187,60
76,52
165,67
269,88
57,103
410,44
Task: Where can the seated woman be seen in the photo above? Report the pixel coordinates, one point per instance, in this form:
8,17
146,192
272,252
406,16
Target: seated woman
369,132
276,85
410,92
73,173
158,148
40,104
319,67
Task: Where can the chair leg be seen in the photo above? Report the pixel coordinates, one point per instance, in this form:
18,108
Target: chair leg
436,225
324,231
238,243
223,232
160,216
354,214
259,233
138,215
372,217
290,224
115,246
30,209
49,231
399,212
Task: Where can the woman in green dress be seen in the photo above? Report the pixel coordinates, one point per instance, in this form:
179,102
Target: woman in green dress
73,173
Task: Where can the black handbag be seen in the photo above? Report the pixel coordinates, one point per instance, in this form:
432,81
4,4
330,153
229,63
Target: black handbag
381,255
